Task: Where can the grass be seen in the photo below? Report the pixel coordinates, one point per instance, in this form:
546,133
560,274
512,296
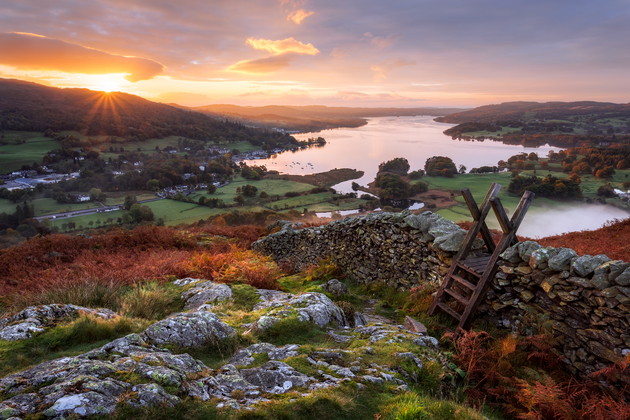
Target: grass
13,156
76,337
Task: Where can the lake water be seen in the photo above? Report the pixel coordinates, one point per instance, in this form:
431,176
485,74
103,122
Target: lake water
382,139
417,139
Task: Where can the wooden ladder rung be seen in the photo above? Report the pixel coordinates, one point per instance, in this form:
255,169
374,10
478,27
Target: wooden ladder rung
449,310
469,269
457,296
464,282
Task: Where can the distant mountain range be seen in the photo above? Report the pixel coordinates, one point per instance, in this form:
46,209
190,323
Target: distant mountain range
537,110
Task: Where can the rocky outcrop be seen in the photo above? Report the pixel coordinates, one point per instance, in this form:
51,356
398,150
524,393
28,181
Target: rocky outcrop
203,292
88,384
33,319
189,329
308,307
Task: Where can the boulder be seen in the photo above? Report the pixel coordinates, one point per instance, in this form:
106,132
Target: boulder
275,377
315,307
414,326
560,259
244,357
191,329
335,287
206,292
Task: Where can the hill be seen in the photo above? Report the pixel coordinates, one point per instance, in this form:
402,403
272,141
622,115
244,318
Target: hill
313,118
537,110
26,106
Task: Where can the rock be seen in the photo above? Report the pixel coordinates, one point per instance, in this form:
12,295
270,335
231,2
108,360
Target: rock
449,237
414,326
33,319
275,377
539,257
411,356
206,292
586,264
335,287
152,394
525,249
192,329
244,357
511,254
315,307
624,278
85,404
561,259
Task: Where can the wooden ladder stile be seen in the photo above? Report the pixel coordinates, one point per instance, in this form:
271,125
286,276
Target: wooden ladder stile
484,267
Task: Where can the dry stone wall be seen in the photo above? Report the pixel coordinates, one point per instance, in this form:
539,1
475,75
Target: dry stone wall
584,301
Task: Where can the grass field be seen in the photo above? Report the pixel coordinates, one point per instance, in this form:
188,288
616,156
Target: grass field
85,220
13,156
45,206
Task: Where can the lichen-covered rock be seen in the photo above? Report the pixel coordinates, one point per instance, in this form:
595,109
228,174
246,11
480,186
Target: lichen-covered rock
33,319
85,404
623,279
315,307
561,259
335,287
586,264
275,377
192,329
204,292
152,394
244,357
447,236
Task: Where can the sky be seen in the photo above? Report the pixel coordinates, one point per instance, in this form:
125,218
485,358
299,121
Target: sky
365,53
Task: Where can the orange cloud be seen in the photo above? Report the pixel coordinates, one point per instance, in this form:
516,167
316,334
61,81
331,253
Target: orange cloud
298,16
283,46
34,52
263,65
388,65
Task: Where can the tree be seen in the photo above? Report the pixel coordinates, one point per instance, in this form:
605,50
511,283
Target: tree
623,164
239,199
397,166
440,166
64,226
130,200
462,169
355,186
544,164
249,190
211,189
263,194
532,156
97,195
153,184
202,200
416,174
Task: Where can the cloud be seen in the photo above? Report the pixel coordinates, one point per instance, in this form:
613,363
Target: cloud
283,46
183,98
349,95
384,42
385,66
34,52
263,65
298,16
339,53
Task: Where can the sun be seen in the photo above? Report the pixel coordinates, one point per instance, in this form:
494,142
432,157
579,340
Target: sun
108,86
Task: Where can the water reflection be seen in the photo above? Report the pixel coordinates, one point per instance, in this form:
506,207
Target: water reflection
364,148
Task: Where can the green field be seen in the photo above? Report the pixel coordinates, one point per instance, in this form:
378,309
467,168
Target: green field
480,183
85,220
45,206
13,156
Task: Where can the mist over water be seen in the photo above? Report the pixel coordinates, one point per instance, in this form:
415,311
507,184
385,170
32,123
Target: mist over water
541,222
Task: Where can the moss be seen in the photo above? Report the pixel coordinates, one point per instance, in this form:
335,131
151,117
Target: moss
244,297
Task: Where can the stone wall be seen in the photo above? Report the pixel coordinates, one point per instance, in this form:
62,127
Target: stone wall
584,300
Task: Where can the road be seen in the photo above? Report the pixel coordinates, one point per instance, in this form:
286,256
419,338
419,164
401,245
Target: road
76,213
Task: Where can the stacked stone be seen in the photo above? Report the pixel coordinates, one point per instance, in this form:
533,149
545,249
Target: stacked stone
401,250
586,300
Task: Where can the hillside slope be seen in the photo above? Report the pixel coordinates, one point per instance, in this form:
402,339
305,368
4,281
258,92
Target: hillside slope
26,106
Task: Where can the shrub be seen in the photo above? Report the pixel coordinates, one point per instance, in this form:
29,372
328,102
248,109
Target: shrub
348,311
416,174
290,194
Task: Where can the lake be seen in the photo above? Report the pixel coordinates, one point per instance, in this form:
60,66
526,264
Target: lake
382,139
417,139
